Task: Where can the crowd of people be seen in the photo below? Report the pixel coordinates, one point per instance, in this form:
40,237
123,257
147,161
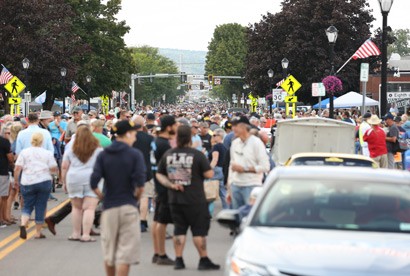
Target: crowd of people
128,163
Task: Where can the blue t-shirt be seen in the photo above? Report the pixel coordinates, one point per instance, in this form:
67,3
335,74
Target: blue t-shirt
55,132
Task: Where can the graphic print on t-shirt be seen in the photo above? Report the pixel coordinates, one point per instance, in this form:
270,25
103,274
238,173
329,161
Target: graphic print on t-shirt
179,168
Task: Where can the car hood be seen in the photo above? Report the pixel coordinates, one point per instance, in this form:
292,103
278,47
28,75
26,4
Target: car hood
312,252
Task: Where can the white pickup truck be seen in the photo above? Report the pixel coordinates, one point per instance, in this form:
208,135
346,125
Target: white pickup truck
312,135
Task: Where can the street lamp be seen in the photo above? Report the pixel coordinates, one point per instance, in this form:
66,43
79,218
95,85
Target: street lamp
331,34
385,6
88,78
63,73
270,75
245,87
285,65
26,65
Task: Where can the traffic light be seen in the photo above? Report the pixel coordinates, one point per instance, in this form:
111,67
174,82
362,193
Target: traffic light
211,79
183,77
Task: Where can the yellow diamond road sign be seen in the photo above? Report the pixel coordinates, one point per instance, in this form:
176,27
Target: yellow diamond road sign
291,85
291,99
15,86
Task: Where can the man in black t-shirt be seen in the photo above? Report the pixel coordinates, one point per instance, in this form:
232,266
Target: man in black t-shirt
182,170
143,143
205,137
162,215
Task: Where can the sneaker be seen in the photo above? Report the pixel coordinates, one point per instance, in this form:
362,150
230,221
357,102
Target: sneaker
2,225
207,264
164,260
155,258
23,232
16,205
179,263
143,228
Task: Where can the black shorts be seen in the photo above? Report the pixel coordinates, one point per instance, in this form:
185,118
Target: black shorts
196,217
162,212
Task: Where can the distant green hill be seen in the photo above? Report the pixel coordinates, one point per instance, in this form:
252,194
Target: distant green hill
191,62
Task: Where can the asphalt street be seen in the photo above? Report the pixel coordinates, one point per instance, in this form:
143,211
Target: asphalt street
55,255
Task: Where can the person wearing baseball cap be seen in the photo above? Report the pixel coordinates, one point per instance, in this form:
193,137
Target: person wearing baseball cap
57,127
124,171
391,138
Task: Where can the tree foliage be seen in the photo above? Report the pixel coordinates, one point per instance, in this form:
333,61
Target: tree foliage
227,57
401,43
146,60
42,32
298,33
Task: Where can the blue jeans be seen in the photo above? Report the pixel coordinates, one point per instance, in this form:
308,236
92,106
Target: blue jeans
35,197
240,195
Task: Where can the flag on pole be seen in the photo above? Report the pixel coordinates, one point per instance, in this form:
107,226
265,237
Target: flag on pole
74,87
367,49
41,98
280,83
5,76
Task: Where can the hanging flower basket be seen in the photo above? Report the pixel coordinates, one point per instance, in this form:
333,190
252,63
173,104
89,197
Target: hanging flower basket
332,84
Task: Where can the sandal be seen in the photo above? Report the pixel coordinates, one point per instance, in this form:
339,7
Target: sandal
89,240
73,239
40,237
23,232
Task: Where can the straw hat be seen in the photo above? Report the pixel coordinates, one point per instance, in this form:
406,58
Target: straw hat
374,120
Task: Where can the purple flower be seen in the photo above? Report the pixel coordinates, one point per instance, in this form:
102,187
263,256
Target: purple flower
332,84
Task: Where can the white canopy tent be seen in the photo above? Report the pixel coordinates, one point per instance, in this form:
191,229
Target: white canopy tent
353,99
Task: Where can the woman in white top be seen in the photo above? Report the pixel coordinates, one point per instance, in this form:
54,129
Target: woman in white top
78,164
37,164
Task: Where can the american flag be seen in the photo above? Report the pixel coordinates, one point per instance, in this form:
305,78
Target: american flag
367,49
74,87
5,76
280,83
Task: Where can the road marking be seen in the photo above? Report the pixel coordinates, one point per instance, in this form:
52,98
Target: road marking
19,242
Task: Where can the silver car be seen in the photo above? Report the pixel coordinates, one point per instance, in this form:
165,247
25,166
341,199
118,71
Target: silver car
324,221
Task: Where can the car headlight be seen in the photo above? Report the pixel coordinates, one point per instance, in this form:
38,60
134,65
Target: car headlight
238,267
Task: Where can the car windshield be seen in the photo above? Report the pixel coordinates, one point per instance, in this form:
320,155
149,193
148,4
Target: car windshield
335,204
330,161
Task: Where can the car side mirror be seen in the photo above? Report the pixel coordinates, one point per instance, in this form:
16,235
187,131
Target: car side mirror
229,219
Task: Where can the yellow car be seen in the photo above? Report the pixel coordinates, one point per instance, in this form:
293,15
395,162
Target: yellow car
330,159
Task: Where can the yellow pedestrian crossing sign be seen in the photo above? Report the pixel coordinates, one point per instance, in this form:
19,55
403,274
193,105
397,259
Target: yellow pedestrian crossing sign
104,100
291,85
291,99
15,86
14,100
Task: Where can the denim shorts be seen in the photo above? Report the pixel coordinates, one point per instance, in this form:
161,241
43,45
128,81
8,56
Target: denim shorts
80,191
35,197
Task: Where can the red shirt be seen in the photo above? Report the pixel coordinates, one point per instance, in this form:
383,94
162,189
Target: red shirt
376,140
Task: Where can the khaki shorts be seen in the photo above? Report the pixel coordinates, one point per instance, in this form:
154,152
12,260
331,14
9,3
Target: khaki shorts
149,189
121,235
4,185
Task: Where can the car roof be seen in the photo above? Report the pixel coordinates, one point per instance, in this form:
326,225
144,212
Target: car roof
341,173
331,154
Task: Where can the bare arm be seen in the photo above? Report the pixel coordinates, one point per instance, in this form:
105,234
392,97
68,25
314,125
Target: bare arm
10,158
64,168
209,174
215,158
164,180
138,192
17,171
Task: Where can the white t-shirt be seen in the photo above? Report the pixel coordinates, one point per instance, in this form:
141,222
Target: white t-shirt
36,163
79,173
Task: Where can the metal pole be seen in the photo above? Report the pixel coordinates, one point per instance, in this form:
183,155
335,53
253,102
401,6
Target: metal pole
89,97
383,92
320,105
270,93
133,92
332,72
63,93
364,97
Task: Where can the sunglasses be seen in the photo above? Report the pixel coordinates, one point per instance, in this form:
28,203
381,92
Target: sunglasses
7,133
215,135
195,127
128,117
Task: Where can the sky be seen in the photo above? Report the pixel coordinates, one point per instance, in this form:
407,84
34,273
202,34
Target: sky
189,24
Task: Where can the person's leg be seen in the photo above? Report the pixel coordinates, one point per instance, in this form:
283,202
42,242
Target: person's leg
76,217
29,199
161,234
89,206
237,199
246,193
179,245
390,160
384,163
10,200
42,190
110,270
144,213
200,244
123,269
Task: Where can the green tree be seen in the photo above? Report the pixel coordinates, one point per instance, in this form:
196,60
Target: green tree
227,57
107,60
146,60
401,44
42,32
298,33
